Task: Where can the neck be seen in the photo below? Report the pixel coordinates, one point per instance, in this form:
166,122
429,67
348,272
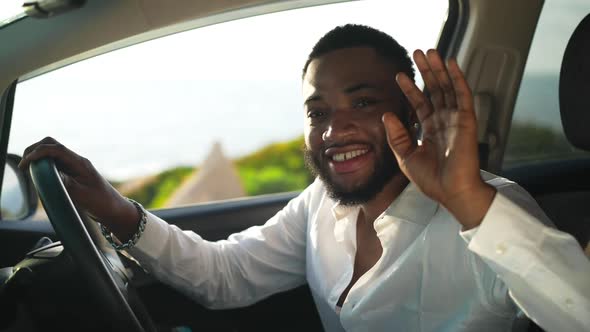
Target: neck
373,208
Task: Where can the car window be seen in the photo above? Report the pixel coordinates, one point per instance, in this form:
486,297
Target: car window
208,114
536,134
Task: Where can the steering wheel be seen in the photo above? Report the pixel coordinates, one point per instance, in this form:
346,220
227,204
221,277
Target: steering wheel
108,287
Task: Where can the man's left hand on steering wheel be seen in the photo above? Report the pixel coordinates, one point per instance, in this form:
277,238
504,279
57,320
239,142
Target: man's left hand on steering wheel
87,188
55,168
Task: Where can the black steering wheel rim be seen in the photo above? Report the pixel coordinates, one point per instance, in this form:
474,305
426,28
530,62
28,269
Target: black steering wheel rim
78,243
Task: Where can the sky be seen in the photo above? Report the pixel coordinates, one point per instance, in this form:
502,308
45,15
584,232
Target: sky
558,20
9,10
163,103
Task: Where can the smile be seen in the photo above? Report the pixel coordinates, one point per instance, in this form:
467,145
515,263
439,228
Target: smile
348,155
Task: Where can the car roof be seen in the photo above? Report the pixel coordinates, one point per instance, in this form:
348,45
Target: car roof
38,45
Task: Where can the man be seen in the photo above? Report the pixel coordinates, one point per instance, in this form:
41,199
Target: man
395,233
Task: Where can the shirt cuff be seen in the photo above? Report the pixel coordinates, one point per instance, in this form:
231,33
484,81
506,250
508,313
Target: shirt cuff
507,235
153,240
544,268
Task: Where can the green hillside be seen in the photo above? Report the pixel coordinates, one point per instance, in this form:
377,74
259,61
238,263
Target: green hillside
531,142
156,192
277,167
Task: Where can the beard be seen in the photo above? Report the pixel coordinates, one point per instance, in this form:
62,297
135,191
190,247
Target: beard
385,168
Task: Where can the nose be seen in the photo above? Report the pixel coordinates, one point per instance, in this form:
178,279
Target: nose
342,124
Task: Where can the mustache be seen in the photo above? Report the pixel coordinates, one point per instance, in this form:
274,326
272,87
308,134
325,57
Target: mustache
340,144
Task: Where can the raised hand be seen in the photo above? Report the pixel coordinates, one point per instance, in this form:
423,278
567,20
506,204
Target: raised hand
87,188
445,166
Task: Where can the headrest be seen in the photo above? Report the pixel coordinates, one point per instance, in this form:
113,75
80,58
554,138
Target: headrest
574,87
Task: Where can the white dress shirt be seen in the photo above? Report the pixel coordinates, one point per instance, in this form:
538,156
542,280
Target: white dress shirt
430,277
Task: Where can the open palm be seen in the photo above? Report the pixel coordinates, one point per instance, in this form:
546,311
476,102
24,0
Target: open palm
445,164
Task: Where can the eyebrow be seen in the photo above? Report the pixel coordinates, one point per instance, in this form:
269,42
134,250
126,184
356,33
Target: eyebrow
362,86
315,97
349,90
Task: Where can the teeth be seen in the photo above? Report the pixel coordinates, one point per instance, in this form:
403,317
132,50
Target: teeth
348,155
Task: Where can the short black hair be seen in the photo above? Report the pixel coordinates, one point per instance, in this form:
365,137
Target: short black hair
355,35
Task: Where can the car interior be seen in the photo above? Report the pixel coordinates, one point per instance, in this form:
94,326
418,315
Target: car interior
561,189
490,39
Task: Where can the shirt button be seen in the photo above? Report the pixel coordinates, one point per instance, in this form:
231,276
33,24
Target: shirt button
501,248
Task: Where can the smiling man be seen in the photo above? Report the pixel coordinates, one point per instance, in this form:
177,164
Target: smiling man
395,233
346,144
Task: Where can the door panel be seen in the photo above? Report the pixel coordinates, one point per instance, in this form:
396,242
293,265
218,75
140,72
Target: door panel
18,237
218,220
213,221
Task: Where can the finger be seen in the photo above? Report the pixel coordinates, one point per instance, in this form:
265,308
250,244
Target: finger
442,76
430,80
37,151
415,97
462,91
46,140
24,161
67,160
398,137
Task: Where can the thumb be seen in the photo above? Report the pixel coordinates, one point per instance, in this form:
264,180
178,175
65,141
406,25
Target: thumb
398,137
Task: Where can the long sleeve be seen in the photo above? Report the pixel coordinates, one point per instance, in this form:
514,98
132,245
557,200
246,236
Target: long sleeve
545,270
241,270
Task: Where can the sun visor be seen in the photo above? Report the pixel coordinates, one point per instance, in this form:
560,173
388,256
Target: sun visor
574,87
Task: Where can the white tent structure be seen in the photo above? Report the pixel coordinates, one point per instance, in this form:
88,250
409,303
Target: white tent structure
217,179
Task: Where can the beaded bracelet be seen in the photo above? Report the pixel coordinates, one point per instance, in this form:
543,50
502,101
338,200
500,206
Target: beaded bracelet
129,244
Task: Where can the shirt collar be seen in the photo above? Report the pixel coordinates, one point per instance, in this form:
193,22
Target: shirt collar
340,211
411,205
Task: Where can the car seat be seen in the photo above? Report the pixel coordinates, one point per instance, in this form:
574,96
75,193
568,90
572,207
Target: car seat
570,210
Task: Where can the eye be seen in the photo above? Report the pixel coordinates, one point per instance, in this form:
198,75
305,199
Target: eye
315,113
364,103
